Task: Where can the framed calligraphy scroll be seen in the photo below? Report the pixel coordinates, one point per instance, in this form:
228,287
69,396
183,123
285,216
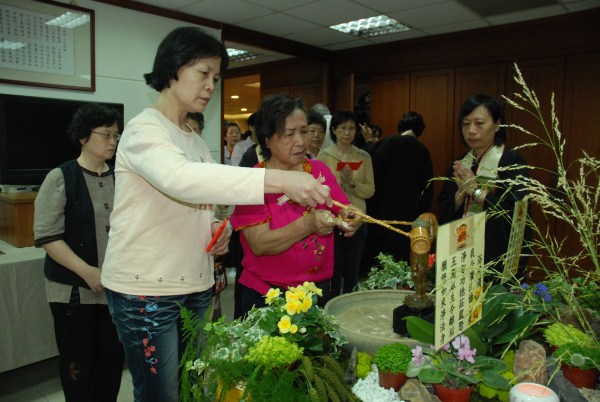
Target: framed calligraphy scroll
48,44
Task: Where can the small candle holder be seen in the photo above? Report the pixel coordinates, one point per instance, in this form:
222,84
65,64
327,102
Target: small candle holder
532,392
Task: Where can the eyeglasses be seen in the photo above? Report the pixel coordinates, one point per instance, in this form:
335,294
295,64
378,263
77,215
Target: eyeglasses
107,137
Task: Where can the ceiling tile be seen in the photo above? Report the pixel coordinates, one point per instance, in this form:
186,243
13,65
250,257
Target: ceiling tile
170,4
333,12
415,33
435,15
582,5
348,45
386,6
228,11
461,26
526,15
321,37
281,5
279,24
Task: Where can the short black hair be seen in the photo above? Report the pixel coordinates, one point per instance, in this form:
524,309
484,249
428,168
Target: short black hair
252,119
183,46
198,118
494,107
340,117
316,118
271,116
89,117
411,121
231,124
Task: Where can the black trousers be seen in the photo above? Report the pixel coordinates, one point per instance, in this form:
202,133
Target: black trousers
91,356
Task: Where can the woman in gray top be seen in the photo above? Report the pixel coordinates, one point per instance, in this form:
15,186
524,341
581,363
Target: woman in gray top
71,223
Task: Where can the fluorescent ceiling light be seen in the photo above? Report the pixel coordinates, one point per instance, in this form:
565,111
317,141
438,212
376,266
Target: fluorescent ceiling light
373,26
236,55
11,45
69,20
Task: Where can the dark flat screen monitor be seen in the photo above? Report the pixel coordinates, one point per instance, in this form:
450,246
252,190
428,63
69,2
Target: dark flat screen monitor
33,136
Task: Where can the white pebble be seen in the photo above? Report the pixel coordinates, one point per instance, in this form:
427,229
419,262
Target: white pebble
368,390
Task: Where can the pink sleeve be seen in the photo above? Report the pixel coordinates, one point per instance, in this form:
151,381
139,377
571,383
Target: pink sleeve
249,215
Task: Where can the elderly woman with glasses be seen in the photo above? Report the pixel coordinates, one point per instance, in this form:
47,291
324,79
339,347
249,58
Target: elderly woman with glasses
71,223
354,172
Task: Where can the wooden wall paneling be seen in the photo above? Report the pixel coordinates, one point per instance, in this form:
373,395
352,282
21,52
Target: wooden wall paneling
432,95
580,126
311,93
265,90
390,97
344,93
470,80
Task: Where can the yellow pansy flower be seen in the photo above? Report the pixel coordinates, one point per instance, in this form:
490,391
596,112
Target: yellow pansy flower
272,294
285,324
292,307
306,304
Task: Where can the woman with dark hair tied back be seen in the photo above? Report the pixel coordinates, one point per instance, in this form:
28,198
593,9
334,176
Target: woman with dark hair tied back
286,244
476,183
159,255
72,212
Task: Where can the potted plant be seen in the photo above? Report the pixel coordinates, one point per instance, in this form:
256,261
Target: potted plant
285,351
580,363
559,334
392,362
389,273
455,369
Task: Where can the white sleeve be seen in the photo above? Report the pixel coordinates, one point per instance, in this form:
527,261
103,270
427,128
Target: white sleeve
149,150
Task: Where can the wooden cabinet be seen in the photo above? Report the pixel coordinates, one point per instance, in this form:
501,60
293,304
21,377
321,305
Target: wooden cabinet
16,218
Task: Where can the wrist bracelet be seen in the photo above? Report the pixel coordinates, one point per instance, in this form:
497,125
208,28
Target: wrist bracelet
476,194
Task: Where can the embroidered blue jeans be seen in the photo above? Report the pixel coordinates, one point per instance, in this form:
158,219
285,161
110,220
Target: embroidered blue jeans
149,328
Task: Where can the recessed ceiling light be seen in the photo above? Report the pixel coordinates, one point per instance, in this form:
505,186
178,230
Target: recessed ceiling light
11,45
373,26
69,20
244,109
236,55
235,97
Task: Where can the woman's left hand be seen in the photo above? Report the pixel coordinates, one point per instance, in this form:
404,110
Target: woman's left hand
222,244
351,222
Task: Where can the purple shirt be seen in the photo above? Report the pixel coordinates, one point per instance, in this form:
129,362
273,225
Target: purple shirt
311,259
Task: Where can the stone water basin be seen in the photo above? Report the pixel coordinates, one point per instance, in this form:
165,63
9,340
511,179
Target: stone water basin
366,318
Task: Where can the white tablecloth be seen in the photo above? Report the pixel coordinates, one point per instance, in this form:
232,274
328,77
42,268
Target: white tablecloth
26,325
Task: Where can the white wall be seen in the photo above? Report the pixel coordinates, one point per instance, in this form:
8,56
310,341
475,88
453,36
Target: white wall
126,42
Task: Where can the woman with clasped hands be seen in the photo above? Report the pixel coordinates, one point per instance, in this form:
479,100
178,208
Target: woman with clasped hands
71,223
478,176
285,243
163,220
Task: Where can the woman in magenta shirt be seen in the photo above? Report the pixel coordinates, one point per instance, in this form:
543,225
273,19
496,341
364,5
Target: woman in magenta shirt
286,244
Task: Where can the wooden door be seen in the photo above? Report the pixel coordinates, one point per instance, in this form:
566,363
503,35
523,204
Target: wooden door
432,96
389,101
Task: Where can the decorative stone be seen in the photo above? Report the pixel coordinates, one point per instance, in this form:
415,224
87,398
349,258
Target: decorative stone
414,391
592,395
530,363
563,387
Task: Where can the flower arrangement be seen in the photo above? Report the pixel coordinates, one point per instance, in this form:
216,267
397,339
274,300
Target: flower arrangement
456,365
284,351
573,202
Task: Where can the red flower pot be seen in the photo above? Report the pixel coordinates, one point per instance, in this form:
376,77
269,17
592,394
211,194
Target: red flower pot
452,394
391,380
579,377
